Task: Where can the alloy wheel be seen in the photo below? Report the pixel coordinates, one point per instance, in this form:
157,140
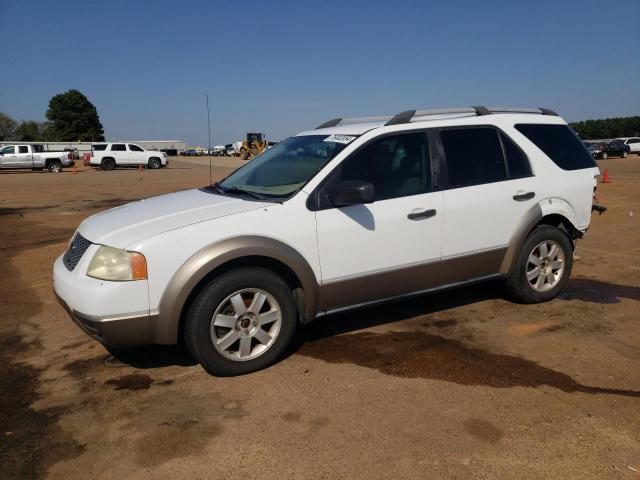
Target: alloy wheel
545,265
245,324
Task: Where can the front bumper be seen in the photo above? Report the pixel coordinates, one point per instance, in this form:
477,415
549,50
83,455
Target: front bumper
114,313
115,332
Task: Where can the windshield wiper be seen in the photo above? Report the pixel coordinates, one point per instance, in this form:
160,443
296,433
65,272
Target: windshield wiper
250,193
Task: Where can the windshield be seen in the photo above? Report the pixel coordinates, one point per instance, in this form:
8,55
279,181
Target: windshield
285,168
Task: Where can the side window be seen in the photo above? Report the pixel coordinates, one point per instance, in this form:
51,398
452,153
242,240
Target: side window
135,148
397,166
99,147
517,162
559,143
8,150
634,140
474,156
23,149
118,147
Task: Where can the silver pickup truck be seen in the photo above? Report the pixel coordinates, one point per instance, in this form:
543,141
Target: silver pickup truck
33,157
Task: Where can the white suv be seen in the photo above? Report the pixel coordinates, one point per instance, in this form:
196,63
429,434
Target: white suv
111,155
354,212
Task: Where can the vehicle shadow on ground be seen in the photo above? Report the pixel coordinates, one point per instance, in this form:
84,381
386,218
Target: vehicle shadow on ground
423,354
152,356
400,310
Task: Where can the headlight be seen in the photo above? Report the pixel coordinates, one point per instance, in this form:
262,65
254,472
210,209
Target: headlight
117,265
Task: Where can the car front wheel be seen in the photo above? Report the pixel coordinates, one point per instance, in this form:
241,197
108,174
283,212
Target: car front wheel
241,321
542,267
155,163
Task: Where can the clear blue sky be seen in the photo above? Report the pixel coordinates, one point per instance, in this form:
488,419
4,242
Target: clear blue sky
282,67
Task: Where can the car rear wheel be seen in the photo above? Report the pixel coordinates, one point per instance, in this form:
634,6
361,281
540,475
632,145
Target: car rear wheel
155,163
108,164
241,321
542,267
54,167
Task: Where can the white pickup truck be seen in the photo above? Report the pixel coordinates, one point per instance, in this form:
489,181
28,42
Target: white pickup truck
109,155
34,157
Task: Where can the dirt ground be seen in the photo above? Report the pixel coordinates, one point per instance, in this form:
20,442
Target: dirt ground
462,384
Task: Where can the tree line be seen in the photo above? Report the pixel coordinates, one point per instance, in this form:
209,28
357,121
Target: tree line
608,128
71,117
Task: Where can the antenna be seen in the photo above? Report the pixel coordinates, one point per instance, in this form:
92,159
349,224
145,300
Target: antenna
209,141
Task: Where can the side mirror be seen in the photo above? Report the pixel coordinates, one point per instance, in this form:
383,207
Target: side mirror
352,192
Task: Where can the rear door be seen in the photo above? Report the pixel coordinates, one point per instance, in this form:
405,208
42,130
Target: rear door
120,153
489,187
24,159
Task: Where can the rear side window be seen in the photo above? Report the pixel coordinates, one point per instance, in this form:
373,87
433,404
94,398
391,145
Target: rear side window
118,147
474,156
100,147
23,149
559,143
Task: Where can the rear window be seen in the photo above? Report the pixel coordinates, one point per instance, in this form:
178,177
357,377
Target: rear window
559,143
100,147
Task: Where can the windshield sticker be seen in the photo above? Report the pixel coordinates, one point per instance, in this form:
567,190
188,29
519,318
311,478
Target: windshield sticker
340,138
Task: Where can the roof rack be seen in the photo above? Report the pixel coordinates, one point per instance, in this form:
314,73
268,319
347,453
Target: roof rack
417,115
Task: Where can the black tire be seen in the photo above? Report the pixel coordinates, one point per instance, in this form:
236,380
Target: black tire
54,166
198,320
517,285
108,164
154,163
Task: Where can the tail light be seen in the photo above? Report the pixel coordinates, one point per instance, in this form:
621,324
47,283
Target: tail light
70,156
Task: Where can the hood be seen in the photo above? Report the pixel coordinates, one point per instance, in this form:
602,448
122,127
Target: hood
124,225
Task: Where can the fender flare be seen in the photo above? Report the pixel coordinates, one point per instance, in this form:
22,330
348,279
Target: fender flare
533,216
165,324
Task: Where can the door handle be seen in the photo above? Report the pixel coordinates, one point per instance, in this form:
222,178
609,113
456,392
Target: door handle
421,215
521,197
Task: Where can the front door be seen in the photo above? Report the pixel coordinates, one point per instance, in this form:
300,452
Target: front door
8,157
379,250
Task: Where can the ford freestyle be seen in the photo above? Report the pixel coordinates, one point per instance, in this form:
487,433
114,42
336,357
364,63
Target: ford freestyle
354,212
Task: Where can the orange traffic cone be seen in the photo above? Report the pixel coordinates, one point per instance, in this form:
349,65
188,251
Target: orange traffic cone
73,171
605,177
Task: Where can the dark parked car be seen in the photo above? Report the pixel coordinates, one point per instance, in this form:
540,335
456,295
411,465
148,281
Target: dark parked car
618,148
598,150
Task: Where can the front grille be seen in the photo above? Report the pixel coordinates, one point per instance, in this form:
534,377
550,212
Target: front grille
74,253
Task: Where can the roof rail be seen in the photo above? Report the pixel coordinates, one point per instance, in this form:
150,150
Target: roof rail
416,115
